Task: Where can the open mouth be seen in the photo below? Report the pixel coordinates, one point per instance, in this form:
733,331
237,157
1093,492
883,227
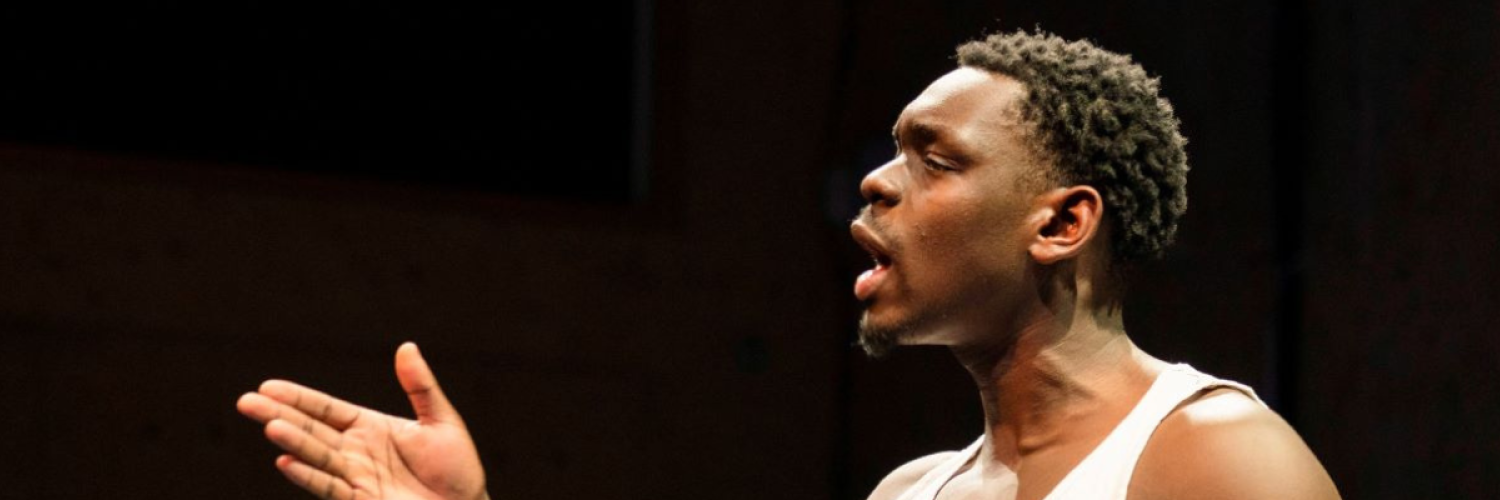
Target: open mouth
870,280
882,261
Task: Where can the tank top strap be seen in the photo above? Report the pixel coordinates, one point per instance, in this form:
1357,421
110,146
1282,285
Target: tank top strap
927,487
1105,473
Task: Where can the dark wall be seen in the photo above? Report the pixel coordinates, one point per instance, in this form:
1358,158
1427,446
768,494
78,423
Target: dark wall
680,347
696,343
1400,188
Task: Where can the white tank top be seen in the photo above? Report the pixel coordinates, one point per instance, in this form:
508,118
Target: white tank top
1105,473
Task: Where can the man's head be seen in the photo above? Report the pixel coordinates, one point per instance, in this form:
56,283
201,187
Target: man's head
1099,120
1036,155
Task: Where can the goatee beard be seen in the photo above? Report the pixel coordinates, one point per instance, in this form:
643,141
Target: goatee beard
877,341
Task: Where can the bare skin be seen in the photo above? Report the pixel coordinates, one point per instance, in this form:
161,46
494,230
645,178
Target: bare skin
337,450
1009,272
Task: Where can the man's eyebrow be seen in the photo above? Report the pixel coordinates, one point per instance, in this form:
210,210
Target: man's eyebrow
919,132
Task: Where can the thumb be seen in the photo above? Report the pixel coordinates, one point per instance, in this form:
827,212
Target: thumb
421,386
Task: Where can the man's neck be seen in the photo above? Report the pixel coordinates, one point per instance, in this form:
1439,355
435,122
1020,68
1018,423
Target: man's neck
1061,379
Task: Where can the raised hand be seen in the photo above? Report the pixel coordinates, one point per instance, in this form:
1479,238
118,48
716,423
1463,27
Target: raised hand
337,450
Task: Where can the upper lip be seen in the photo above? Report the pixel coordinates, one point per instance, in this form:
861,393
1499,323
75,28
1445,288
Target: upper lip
867,238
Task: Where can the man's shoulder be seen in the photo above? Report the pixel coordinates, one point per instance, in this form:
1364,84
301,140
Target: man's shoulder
1230,446
902,479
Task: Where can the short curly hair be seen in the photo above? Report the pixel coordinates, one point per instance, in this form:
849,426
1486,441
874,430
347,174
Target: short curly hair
1100,121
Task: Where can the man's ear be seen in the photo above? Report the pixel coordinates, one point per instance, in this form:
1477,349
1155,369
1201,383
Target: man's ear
1071,218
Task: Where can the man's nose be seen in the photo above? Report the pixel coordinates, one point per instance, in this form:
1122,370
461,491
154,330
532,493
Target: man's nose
880,188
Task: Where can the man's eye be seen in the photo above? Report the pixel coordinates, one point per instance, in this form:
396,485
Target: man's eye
935,165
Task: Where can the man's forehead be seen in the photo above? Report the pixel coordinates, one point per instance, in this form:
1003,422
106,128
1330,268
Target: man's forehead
968,85
963,96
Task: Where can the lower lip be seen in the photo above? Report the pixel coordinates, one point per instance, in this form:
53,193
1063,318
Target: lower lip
865,285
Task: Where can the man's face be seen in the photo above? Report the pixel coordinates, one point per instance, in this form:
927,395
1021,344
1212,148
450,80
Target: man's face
950,217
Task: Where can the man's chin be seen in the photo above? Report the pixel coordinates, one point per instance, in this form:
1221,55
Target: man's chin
878,338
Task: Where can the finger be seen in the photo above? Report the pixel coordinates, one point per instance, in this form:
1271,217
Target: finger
421,387
263,409
327,409
305,448
315,481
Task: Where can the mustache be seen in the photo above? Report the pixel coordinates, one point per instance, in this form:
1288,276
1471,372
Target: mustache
864,217
877,226
867,217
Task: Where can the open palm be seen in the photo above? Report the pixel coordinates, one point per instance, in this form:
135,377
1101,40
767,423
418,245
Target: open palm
337,450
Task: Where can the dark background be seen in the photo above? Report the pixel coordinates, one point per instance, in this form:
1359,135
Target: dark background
678,322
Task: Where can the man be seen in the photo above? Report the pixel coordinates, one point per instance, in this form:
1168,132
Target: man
1025,183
